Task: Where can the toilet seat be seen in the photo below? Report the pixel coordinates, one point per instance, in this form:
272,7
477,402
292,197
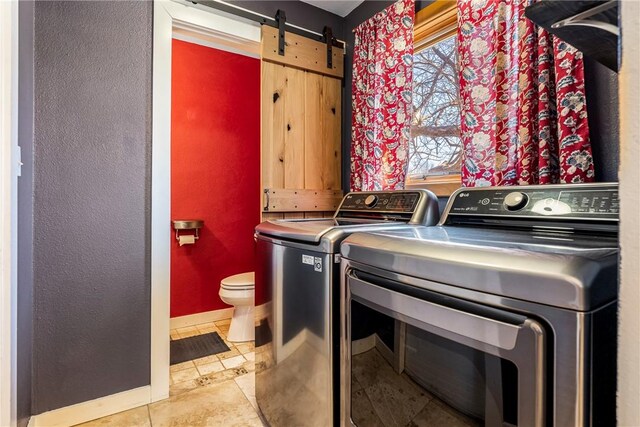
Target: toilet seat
239,282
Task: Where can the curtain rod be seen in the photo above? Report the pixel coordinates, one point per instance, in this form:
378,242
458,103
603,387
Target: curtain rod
264,19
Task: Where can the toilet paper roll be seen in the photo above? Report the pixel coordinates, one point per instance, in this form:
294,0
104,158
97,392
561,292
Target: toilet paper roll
187,239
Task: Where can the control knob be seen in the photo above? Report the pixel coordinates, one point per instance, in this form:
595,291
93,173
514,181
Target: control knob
515,201
371,201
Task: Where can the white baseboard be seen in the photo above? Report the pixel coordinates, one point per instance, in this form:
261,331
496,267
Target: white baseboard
213,316
93,409
200,318
263,310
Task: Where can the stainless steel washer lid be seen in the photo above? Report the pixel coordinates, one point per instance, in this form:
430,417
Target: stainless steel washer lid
578,273
305,230
325,235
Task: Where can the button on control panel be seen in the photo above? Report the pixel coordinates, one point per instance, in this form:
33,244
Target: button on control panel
513,201
371,201
588,201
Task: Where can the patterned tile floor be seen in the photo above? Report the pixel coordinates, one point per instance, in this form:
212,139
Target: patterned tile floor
216,390
380,397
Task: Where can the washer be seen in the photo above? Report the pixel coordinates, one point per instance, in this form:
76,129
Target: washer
297,274
503,314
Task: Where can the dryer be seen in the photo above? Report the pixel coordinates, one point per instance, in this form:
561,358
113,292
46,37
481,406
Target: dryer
503,314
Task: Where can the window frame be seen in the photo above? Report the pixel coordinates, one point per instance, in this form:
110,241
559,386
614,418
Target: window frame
435,23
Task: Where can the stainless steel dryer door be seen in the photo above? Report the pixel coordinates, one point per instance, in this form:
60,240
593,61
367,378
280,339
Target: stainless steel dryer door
293,335
438,360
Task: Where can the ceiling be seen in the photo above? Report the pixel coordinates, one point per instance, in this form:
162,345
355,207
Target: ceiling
339,7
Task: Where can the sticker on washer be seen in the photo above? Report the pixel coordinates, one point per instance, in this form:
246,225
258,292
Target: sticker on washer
307,259
317,266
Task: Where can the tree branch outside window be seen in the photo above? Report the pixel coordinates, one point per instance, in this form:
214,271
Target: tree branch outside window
435,149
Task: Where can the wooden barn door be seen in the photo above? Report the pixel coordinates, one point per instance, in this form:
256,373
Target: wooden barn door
301,128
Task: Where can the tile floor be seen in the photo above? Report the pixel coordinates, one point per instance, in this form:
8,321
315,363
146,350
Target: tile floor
217,390
380,397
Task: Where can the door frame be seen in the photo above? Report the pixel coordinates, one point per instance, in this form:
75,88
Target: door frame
9,170
628,398
215,29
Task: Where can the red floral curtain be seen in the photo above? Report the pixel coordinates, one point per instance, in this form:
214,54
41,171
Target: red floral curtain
524,114
382,74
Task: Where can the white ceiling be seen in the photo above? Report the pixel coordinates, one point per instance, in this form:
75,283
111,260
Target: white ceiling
339,7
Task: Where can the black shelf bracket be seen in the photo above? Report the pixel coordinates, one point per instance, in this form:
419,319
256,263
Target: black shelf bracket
329,39
582,19
590,26
281,20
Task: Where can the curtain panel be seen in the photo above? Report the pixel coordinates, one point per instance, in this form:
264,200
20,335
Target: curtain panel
523,107
382,101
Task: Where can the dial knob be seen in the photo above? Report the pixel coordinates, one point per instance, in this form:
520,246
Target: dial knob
371,201
515,201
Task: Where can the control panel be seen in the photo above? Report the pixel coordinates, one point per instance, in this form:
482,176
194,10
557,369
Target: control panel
381,202
580,201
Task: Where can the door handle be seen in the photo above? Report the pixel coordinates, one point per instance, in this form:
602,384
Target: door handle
497,333
265,208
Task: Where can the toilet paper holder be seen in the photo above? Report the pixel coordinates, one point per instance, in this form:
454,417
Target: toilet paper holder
188,224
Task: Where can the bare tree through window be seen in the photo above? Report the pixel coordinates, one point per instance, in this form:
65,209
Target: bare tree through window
435,148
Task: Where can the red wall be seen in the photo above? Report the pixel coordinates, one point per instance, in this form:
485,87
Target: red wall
215,170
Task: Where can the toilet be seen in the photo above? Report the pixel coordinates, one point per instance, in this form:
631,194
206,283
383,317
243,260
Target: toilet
238,291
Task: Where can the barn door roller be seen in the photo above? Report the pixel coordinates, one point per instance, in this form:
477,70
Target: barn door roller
281,20
329,40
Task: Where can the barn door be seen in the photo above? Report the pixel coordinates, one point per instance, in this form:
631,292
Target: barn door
301,128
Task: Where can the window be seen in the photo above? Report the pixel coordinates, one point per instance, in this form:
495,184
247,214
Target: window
435,149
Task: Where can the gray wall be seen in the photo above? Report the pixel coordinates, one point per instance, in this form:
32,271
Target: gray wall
25,212
91,200
601,86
